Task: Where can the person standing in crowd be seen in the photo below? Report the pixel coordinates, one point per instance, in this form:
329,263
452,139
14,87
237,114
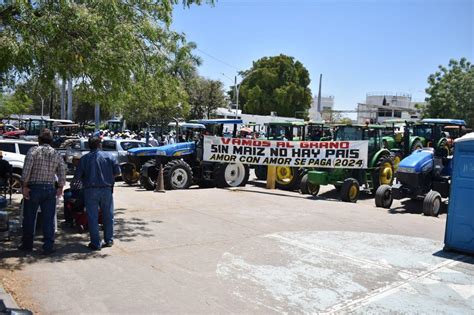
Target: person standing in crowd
97,170
43,165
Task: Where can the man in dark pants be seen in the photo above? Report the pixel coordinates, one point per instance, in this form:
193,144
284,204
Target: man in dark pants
42,166
97,170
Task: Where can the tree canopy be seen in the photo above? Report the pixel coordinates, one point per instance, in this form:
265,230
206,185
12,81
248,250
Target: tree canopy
205,96
107,45
275,84
451,92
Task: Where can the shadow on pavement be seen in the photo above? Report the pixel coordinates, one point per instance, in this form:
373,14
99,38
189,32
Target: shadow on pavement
455,255
409,206
70,243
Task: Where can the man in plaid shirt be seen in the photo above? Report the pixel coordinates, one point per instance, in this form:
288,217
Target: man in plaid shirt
43,169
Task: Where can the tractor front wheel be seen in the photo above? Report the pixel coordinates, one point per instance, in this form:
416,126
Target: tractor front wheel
177,174
307,188
383,197
287,178
432,204
350,190
148,175
231,175
129,174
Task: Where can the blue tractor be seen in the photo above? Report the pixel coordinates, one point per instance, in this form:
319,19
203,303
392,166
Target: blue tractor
183,162
424,173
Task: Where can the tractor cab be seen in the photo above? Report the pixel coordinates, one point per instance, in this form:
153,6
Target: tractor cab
221,127
318,131
431,133
286,130
186,132
372,133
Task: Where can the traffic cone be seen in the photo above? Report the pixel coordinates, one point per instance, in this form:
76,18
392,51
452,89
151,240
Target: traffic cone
160,182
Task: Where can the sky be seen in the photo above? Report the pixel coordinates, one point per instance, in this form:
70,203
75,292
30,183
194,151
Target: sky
359,46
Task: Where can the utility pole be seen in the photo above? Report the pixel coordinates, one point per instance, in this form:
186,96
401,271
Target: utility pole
63,95
69,99
97,116
236,97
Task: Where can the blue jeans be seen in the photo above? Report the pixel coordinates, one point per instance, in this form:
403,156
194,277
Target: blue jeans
102,198
43,196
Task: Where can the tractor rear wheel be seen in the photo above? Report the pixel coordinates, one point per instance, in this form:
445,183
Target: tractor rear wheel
177,174
307,188
383,197
432,204
350,190
383,172
261,172
287,178
148,180
231,175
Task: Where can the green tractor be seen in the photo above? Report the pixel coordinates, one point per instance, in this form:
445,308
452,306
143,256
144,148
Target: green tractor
398,138
287,178
318,131
431,132
349,181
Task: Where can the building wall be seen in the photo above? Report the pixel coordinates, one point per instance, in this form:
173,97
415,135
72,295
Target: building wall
397,106
327,103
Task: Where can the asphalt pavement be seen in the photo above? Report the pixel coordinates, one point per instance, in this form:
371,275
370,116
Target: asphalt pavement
249,250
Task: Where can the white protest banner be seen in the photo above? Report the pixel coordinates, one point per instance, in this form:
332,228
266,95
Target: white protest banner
331,154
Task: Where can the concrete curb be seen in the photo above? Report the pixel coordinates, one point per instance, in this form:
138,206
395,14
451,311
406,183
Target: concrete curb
7,298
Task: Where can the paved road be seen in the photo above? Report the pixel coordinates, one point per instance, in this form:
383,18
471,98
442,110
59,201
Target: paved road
251,250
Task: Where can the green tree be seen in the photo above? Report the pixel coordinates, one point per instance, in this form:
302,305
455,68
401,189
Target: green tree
275,84
103,44
17,103
205,96
451,92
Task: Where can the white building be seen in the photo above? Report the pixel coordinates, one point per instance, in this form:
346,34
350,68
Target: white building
327,104
381,106
258,120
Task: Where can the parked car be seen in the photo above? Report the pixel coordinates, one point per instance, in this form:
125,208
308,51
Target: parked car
79,147
14,151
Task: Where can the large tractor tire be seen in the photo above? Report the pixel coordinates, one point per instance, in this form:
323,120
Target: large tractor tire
148,181
383,197
416,145
287,178
383,173
177,174
432,204
231,175
307,188
261,172
350,190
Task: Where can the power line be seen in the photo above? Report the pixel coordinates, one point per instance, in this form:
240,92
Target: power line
217,59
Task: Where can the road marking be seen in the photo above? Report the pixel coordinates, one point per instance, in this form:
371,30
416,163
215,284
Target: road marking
331,252
392,288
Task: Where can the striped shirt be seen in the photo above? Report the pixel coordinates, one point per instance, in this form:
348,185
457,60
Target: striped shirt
43,165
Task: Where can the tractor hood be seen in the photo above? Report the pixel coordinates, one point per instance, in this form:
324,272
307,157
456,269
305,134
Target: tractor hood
175,149
417,162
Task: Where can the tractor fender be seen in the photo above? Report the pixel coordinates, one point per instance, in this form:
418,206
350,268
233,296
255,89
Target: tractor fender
413,139
390,142
377,155
438,144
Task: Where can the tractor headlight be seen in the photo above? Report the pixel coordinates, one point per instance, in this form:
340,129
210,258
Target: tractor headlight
406,170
